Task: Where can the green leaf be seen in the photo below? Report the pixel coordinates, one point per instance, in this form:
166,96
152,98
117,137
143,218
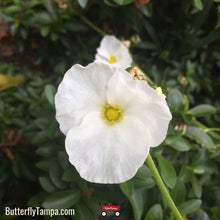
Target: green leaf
83,212
12,9
143,172
175,100
42,18
62,199
178,193
202,215
202,110
143,184
127,188
198,4
197,187
55,173
46,184
155,213
83,3
200,137
45,150
167,171
45,31
190,206
110,3
178,143
137,204
43,165
49,92
135,198
71,175
123,2
36,200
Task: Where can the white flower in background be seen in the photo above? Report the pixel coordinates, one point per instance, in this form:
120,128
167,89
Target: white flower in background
110,121
113,52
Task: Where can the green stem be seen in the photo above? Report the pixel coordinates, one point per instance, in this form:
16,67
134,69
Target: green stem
162,187
89,23
210,131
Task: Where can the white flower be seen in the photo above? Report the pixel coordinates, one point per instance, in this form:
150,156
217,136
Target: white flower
110,121
113,52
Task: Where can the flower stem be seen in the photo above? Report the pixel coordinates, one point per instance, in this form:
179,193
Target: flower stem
162,187
89,23
210,131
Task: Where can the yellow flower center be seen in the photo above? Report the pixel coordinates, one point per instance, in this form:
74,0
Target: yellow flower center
112,114
112,59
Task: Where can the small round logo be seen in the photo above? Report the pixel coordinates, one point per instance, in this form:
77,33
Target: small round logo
103,213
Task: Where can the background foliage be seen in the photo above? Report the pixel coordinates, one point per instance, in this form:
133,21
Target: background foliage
178,50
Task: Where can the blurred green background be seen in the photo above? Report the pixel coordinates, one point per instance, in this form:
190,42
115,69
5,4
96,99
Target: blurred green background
175,42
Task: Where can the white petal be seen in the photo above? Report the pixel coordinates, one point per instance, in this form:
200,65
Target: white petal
107,154
156,117
82,90
141,101
111,46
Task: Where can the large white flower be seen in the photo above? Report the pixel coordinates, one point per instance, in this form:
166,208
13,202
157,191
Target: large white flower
113,52
110,121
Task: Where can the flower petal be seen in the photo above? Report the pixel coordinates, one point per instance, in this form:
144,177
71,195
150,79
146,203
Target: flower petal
82,90
107,154
141,101
111,46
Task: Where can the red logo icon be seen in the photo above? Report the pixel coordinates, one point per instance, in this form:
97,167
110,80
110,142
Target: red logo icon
110,208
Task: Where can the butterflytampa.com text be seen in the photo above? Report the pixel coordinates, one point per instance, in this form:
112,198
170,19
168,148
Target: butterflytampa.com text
36,211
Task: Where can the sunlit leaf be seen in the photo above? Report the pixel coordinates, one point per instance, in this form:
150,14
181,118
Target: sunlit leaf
10,81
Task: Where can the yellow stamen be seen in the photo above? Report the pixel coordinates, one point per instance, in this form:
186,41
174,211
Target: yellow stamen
112,59
112,114
160,92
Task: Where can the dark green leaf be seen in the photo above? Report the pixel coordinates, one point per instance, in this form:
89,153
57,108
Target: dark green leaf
127,188
202,215
12,9
202,110
36,200
62,199
55,173
178,193
42,18
143,172
43,165
143,184
83,212
175,100
178,143
190,206
50,93
200,137
155,213
197,188
167,171
47,184
135,198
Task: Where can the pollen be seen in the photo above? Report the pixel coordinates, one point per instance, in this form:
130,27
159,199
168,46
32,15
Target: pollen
112,59
112,114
